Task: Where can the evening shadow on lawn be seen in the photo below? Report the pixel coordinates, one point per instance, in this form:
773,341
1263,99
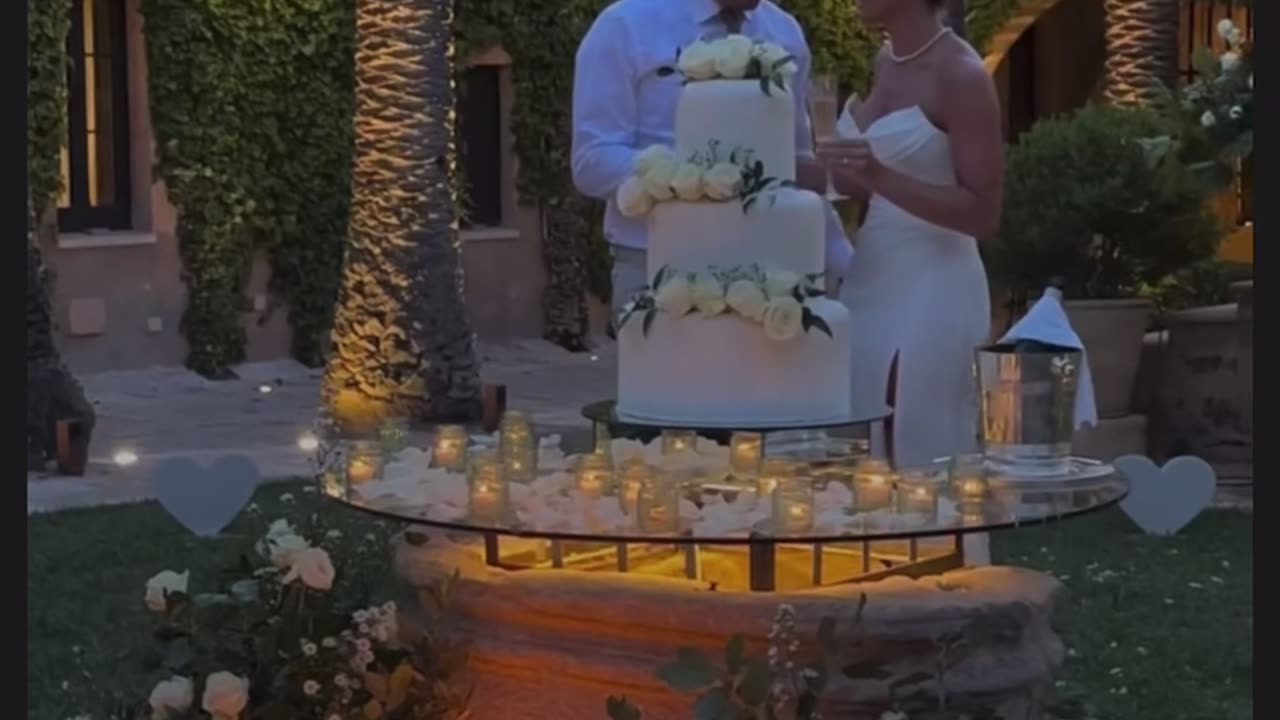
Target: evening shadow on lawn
1159,628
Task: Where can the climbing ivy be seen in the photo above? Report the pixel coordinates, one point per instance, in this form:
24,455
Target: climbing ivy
986,17
48,22
251,102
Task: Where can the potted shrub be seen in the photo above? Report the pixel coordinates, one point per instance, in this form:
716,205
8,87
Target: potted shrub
1091,199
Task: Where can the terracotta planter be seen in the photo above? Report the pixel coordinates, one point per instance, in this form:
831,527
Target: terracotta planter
1112,333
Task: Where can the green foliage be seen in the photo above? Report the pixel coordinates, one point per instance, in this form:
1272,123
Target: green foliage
1087,198
252,106
48,22
985,18
1204,283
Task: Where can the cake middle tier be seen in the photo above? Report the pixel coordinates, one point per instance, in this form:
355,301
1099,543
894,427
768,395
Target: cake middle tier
782,230
737,117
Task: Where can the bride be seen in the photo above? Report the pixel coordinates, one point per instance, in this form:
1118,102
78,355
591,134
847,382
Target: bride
926,150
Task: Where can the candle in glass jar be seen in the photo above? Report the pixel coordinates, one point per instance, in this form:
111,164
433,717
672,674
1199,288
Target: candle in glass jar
364,462
917,498
793,505
969,483
633,475
675,442
486,488
517,447
594,475
873,482
449,451
658,506
745,451
772,472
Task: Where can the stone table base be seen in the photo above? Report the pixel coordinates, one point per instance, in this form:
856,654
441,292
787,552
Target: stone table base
555,644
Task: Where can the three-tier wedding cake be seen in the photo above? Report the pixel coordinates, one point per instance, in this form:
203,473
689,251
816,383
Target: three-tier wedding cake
734,328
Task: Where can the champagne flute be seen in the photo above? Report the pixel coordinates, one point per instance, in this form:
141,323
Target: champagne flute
824,111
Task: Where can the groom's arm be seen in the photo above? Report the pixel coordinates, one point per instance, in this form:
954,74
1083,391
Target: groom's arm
604,110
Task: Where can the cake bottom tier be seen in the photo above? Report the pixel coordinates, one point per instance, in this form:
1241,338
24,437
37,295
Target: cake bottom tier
724,372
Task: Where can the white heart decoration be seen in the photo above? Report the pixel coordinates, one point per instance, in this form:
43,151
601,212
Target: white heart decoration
1162,501
205,500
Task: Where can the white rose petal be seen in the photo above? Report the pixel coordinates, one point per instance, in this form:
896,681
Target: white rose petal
733,55
780,283
657,181
723,181
283,548
649,158
771,54
687,182
708,295
310,687
225,695
1236,112
172,696
162,584
747,299
313,567
1208,120
1229,61
675,296
782,319
698,61
634,199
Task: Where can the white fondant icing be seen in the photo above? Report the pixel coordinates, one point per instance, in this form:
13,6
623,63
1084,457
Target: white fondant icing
723,371
737,113
782,230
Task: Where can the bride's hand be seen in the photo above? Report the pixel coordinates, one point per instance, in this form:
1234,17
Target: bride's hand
850,162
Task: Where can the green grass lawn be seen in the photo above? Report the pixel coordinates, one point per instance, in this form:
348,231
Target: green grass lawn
1158,628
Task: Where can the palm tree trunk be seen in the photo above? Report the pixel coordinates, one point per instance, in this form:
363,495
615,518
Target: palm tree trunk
402,343
1142,50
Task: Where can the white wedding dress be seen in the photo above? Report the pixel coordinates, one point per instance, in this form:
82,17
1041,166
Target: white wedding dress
919,292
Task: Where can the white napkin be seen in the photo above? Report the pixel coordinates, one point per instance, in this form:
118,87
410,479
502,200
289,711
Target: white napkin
1047,322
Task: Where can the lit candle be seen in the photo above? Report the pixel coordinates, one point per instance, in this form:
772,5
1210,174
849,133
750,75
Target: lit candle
393,434
675,442
594,475
449,451
517,447
793,505
486,488
603,441
658,506
634,474
969,483
918,497
364,462
745,450
873,486
772,472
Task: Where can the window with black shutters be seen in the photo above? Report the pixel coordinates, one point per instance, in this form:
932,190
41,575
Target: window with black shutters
480,140
95,156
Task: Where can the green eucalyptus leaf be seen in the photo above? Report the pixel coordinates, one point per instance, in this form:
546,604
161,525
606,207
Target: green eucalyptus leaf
713,704
809,320
648,321
619,708
734,653
691,670
753,689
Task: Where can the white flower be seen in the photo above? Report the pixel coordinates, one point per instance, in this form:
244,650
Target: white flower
649,158
282,549
733,55
1207,119
329,642
225,695
363,645
698,61
771,54
747,299
634,199
687,182
309,649
782,319
675,296
164,583
708,294
340,680
313,567
1226,28
360,616
245,591
333,535
286,498
310,687
1236,112
723,181
1230,61
780,283
389,606
172,696
659,178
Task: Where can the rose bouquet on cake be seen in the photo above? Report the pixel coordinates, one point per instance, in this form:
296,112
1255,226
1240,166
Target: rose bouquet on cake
735,57
710,175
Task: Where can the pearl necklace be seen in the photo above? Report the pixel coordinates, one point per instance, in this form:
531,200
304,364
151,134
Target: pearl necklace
923,48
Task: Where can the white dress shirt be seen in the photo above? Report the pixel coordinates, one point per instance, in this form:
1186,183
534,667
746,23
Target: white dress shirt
621,105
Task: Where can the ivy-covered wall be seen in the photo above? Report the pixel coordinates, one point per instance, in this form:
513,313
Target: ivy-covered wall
251,102
48,22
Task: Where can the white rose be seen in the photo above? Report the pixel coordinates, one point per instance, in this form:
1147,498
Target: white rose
1236,112
1207,119
687,183
657,181
164,583
313,567
633,198
172,696
225,695
698,61
723,181
283,548
733,55
747,299
1225,28
782,319
780,283
770,54
646,160
675,296
1230,61
708,294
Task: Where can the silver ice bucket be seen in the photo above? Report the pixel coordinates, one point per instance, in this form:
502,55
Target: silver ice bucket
1027,407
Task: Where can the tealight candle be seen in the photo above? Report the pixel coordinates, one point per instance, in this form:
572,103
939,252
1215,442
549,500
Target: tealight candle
675,442
793,505
772,472
745,451
517,447
486,488
969,483
364,462
449,451
658,506
594,475
873,482
918,498
634,474
393,434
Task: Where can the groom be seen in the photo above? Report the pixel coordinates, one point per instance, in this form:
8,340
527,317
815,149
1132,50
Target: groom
621,105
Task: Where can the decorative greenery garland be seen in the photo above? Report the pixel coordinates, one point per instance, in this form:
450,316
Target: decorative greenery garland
48,22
